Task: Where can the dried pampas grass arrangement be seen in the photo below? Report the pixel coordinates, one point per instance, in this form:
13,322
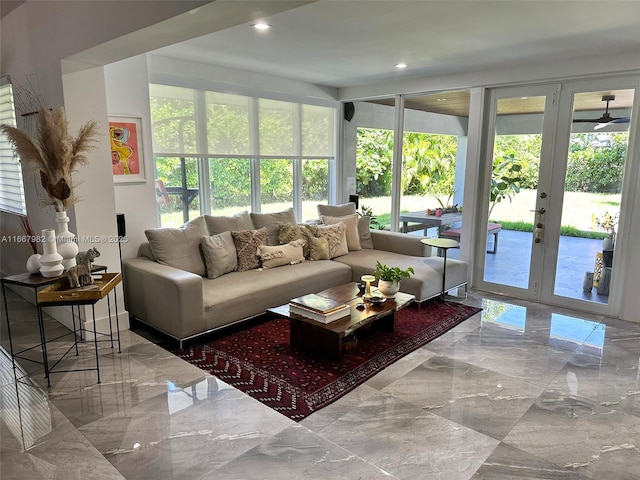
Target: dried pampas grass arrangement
55,153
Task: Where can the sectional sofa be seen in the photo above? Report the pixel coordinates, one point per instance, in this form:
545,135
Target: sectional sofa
215,271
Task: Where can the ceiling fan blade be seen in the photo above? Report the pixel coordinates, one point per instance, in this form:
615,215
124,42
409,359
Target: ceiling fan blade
615,120
586,120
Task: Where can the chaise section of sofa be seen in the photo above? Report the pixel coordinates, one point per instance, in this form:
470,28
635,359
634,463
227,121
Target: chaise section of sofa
401,250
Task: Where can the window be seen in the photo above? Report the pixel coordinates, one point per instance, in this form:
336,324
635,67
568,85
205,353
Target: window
222,153
11,186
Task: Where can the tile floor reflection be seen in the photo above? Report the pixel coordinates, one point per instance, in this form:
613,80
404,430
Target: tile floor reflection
519,391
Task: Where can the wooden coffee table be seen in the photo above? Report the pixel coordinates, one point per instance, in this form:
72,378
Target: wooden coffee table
329,339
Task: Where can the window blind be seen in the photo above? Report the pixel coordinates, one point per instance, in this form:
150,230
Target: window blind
11,186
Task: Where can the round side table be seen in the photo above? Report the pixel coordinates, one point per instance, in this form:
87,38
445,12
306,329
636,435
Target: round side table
443,244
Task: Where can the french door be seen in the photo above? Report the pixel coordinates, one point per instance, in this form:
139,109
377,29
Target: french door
553,169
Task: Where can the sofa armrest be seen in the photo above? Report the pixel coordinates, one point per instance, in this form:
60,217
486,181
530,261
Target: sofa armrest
165,297
400,243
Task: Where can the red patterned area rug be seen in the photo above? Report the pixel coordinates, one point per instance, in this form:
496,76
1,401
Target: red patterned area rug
259,360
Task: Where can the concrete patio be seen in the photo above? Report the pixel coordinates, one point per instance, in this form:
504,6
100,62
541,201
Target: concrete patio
510,264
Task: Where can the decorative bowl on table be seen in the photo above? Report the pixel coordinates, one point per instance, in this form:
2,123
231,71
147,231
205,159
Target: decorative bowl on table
376,300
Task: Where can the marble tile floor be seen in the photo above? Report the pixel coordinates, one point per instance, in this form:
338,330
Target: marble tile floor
519,391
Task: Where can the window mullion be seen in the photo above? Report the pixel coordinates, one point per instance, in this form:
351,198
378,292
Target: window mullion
254,137
202,147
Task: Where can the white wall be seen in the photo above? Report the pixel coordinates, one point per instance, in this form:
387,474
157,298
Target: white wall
127,90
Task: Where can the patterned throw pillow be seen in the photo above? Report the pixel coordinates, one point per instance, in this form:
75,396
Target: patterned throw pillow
247,242
279,255
351,224
288,232
336,237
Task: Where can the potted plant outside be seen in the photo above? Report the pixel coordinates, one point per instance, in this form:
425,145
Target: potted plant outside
389,278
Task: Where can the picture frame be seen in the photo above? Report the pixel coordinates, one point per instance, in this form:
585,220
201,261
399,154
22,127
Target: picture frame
127,153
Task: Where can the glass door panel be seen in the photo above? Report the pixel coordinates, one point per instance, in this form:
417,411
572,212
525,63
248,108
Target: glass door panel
512,196
596,162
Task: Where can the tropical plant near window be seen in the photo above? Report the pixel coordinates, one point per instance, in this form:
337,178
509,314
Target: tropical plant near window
391,274
505,179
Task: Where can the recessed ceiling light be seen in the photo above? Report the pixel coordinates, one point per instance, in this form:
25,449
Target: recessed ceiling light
261,26
441,99
401,65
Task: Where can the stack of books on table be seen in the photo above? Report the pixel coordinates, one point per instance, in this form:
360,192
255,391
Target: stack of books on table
319,308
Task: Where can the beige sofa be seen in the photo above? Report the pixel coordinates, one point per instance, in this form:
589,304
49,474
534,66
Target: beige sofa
161,291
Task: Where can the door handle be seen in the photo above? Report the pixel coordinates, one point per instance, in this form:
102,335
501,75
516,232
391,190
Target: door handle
540,210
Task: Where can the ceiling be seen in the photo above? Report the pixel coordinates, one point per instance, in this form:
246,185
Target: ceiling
341,43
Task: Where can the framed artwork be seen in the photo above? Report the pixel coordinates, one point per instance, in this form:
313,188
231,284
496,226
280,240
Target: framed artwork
125,139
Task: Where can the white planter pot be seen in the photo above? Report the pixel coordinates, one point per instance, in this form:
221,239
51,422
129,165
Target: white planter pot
51,260
65,241
388,289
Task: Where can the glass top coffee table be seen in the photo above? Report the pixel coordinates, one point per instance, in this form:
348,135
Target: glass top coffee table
328,339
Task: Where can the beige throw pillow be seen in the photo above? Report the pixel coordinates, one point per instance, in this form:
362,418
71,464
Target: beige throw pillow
247,243
219,254
288,232
318,249
351,224
336,237
179,247
279,255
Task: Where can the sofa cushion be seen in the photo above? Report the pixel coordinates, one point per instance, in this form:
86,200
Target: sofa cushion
318,248
278,255
219,254
179,247
218,224
336,237
247,242
271,222
364,232
351,231
425,283
336,210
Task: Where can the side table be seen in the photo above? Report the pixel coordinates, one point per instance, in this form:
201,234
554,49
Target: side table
59,294
35,282
443,244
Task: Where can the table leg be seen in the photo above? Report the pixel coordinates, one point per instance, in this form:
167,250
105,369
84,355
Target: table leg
444,271
95,339
6,314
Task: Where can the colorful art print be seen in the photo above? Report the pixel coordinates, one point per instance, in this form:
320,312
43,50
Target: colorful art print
126,149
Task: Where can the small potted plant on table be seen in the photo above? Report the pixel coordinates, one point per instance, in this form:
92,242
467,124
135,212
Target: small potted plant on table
389,278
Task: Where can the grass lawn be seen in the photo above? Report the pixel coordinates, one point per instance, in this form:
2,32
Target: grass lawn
579,211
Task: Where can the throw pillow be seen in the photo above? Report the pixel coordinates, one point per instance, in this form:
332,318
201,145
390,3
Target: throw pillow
336,210
318,249
247,242
237,222
219,254
179,247
279,255
288,232
351,224
364,231
270,221
336,237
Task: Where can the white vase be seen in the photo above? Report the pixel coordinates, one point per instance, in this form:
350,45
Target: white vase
51,260
33,263
388,289
65,241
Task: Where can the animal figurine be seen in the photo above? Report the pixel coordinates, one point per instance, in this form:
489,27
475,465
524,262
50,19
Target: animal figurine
79,276
87,257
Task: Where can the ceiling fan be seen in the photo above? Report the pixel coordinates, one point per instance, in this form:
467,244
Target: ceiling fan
605,119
